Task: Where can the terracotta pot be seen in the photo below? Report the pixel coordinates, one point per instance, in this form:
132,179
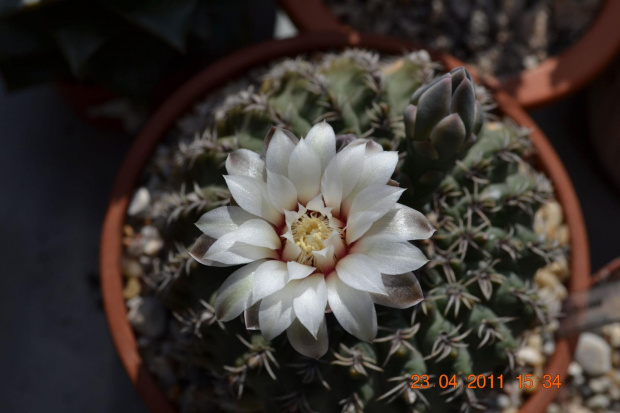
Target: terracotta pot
555,78
234,66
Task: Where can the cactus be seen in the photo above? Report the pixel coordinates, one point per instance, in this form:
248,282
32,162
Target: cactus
480,295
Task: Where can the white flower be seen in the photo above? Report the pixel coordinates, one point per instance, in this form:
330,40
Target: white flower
319,231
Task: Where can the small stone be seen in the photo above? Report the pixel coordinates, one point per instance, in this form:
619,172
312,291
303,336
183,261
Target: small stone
139,202
554,408
132,268
546,278
614,392
612,333
575,369
147,316
594,354
549,348
503,401
153,246
530,356
600,384
132,288
600,401
535,341
511,410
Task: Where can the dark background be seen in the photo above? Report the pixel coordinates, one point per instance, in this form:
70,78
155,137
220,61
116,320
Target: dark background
56,173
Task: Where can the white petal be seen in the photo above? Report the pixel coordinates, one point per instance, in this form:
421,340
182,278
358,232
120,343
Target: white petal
200,248
245,162
235,294
256,232
254,239
377,198
403,290
250,316
249,252
404,222
304,170
298,271
361,273
291,251
331,185
276,311
279,152
270,277
282,192
310,301
350,164
322,139
378,169
390,257
251,195
325,260
302,341
223,220
317,204
358,224
353,309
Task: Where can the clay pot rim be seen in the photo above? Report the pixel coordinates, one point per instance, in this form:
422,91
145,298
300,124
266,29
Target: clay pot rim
556,77
232,67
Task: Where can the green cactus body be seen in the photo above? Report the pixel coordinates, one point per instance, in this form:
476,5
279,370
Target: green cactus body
476,188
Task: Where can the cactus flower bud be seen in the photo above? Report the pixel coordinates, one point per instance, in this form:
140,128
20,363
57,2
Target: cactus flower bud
441,122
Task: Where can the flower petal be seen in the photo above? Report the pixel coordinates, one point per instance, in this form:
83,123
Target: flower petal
304,170
291,251
200,248
325,260
250,316
245,162
223,220
360,272
310,301
378,169
251,195
322,139
358,224
298,271
353,309
235,294
302,341
255,232
279,151
403,291
282,192
270,277
350,163
389,256
331,185
276,311
404,222
378,198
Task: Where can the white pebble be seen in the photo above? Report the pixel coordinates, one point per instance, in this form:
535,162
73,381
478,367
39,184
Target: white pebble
575,369
139,202
600,384
594,354
600,401
530,356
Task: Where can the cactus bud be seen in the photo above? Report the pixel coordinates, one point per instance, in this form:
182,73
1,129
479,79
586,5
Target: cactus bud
441,123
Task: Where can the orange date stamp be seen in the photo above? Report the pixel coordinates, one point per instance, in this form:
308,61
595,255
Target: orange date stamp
481,381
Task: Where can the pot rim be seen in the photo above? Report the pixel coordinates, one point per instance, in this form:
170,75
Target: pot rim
556,77
233,66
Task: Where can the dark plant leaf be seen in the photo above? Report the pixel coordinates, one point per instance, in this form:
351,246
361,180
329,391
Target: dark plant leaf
169,20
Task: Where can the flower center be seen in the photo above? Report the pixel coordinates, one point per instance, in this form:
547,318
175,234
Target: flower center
309,232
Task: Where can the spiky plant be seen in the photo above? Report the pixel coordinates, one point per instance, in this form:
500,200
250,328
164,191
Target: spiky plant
480,297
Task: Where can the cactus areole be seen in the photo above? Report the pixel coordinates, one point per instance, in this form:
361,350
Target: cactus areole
375,169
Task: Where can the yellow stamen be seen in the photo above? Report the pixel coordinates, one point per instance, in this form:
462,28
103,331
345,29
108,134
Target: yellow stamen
309,233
